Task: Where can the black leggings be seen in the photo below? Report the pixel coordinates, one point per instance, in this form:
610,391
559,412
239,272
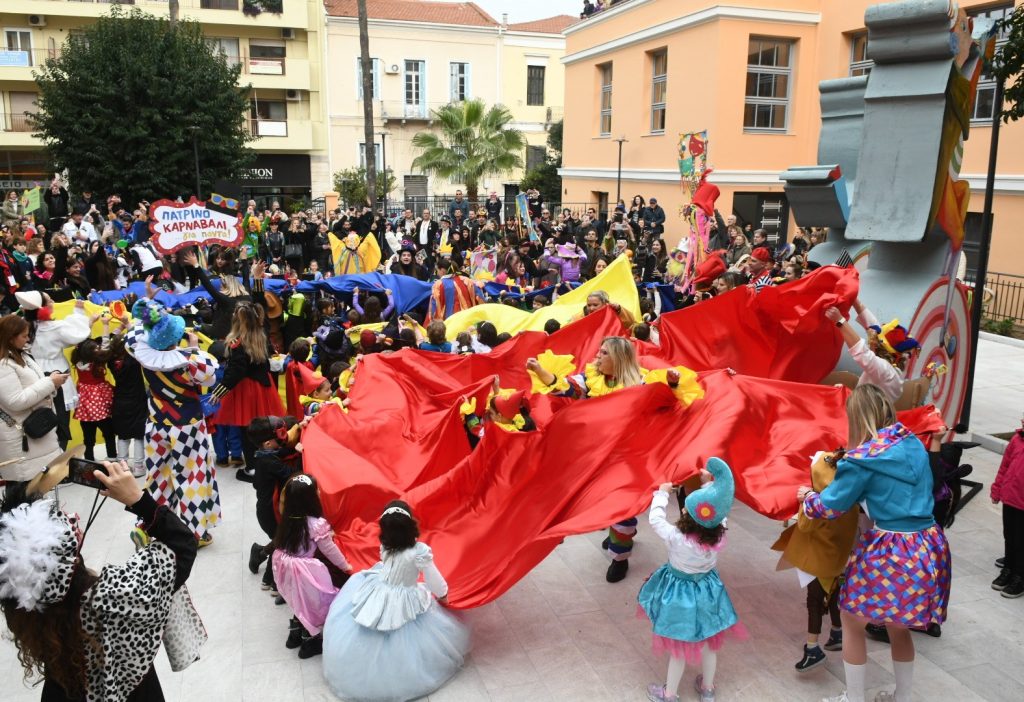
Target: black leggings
817,602
89,438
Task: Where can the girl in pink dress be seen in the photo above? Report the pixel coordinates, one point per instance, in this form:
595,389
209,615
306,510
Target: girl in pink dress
303,542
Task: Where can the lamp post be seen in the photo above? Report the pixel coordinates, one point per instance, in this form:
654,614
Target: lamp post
384,169
618,178
195,150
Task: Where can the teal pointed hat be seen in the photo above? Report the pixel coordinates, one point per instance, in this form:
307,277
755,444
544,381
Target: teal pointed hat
711,504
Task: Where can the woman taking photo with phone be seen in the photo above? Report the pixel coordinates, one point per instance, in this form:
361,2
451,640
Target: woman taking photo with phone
24,388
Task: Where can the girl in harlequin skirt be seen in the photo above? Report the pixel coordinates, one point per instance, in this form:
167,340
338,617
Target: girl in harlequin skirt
95,397
689,609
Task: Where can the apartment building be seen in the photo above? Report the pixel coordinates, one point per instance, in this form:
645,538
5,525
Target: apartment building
429,54
645,71
281,55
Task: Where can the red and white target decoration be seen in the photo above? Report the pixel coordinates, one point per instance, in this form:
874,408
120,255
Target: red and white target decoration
943,342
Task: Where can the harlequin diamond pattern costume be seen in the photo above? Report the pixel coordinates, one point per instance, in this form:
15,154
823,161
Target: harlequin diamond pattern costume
179,473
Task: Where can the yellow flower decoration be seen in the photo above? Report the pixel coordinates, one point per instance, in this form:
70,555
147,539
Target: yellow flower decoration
688,388
560,366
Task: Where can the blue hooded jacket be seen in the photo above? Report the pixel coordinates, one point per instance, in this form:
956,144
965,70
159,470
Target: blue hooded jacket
892,475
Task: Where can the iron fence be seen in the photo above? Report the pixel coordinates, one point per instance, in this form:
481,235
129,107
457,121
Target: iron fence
1004,297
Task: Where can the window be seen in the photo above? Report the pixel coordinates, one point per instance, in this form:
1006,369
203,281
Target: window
860,62
20,40
414,80
227,46
535,85
535,157
268,117
374,78
984,103
266,57
376,156
459,81
22,104
659,89
769,69
218,4
606,98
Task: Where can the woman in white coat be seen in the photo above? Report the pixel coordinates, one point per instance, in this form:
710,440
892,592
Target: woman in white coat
23,388
51,337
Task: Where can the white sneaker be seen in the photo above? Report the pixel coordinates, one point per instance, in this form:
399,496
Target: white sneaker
837,698
884,696
139,471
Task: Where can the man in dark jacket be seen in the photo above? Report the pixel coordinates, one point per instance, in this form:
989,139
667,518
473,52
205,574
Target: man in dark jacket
493,206
57,203
654,217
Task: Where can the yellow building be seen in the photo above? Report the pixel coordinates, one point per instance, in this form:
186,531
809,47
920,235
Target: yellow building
426,55
281,57
645,71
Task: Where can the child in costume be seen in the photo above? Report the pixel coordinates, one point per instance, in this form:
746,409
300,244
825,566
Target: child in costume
510,412
274,461
304,537
130,408
899,573
819,550
690,611
385,639
180,474
614,368
227,440
95,396
1008,488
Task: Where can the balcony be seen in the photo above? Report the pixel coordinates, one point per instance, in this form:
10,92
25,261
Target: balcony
269,72
18,65
219,12
16,130
398,110
281,135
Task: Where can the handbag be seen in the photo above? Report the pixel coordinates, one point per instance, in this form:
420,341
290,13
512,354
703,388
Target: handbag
293,250
184,633
40,422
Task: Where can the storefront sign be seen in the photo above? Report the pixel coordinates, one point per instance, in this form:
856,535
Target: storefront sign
176,225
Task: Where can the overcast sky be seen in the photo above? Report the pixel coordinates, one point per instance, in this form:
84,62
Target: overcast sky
526,10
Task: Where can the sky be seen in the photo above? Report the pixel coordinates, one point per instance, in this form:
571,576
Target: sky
526,10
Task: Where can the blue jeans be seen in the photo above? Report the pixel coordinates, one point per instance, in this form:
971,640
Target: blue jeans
227,442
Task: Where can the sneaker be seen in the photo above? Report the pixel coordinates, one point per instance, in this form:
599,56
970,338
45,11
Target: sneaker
256,557
835,640
236,461
266,586
204,540
221,462
295,634
1015,589
1001,563
139,470
245,475
313,646
705,695
813,657
836,698
877,632
656,693
1002,580
279,600
885,696
139,538
617,571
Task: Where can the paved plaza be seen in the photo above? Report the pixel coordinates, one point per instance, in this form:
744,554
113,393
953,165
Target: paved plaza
563,634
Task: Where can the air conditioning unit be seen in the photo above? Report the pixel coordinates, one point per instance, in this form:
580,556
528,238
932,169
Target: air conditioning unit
37,20
287,33
391,69
293,95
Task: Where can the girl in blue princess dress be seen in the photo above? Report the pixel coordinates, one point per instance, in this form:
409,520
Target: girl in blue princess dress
386,639
689,609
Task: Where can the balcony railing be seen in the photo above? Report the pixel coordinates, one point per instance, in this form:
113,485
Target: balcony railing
262,66
268,127
399,109
17,58
16,122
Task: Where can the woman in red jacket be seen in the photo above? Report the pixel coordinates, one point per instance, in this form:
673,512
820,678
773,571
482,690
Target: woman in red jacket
1008,488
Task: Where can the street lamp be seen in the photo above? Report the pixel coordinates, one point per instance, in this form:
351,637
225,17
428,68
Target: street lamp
618,178
384,168
195,150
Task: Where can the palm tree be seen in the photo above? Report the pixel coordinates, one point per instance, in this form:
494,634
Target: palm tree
474,142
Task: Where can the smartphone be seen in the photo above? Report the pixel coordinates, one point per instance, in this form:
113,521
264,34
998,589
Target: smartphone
80,472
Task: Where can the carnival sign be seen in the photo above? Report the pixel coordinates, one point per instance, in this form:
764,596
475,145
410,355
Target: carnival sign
175,225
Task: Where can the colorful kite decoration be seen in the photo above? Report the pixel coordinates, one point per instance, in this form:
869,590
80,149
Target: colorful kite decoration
693,171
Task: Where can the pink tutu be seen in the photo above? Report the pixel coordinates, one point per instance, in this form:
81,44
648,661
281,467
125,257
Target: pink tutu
691,650
305,584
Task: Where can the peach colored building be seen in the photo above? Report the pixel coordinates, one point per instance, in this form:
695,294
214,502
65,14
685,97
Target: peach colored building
748,73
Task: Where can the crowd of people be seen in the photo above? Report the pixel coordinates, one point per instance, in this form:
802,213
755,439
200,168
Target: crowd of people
162,397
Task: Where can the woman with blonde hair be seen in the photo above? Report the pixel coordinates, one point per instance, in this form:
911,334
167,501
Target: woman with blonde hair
247,390
615,367
899,572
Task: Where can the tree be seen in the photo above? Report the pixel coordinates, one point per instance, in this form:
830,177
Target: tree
1008,65
474,142
545,177
120,107
367,71
351,185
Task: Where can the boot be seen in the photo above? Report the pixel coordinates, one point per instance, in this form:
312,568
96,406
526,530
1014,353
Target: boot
312,646
617,570
295,634
257,554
